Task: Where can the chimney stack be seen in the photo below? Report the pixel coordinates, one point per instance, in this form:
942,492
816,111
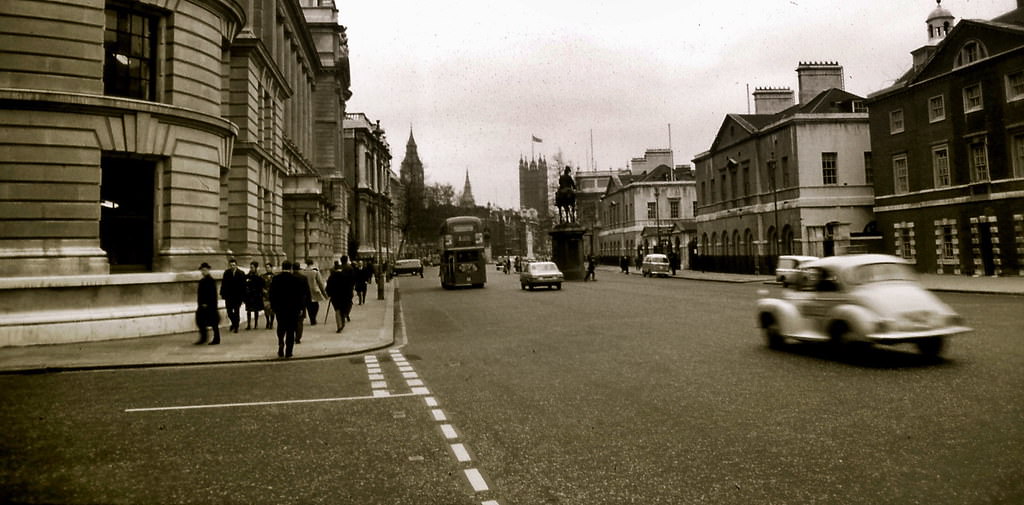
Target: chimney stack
815,77
772,100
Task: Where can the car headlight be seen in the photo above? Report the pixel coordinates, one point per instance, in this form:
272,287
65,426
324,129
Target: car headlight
884,326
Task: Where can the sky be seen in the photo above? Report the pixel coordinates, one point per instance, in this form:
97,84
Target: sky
475,80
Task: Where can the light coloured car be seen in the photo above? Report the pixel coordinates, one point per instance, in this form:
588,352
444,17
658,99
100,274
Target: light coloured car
787,269
409,266
541,273
873,298
655,264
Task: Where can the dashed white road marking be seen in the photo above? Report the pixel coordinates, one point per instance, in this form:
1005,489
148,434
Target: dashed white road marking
461,453
431,401
409,375
438,415
476,480
414,382
449,431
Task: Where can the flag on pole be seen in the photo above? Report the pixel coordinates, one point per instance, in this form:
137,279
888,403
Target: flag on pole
535,139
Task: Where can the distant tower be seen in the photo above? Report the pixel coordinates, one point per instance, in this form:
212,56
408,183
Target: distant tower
533,186
466,200
411,174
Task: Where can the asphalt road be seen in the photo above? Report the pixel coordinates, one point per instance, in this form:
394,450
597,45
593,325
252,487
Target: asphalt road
627,390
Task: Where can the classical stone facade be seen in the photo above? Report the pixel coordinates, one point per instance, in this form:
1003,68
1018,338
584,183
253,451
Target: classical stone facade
789,179
368,157
150,136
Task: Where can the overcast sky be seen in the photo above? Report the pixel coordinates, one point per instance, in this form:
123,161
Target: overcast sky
475,79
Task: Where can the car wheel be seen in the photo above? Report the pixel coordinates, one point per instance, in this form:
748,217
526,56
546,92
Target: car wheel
523,285
931,346
840,334
530,287
771,331
558,286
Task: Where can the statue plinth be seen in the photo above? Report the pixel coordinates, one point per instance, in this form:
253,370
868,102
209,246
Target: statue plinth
567,250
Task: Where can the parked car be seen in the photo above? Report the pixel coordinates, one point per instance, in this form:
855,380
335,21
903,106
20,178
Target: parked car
655,264
410,266
787,269
541,273
873,298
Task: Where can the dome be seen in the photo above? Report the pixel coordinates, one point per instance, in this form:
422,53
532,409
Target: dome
939,13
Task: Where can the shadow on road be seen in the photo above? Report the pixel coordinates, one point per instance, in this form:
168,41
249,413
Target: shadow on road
865,355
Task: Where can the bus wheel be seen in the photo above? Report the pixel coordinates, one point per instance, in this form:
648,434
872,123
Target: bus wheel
523,285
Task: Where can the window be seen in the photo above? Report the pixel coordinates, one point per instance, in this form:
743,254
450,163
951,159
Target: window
785,172
858,106
979,161
828,169
971,52
896,121
652,210
869,171
129,43
703,191
948,252
906,245
936,109
972,98
712,196
695,209
772,181
940,164
127,216
746,178
1015,86
1017,144
899,173
673,208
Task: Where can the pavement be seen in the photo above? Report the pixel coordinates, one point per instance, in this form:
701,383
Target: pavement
371,328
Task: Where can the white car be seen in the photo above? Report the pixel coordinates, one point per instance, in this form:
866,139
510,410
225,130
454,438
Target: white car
655,264
787,269
872,298
541,273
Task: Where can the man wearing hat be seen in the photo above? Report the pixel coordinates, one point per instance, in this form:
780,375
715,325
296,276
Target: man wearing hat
232,290
206,311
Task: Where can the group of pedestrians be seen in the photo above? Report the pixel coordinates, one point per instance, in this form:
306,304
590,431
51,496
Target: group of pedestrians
287,298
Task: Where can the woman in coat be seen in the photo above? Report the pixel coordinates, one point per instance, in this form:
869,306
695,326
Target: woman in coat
207,313
254,285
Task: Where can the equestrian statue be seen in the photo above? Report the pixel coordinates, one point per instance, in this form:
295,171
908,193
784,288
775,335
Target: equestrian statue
565,198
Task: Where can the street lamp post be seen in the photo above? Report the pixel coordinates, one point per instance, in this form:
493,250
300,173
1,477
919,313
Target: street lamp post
657,218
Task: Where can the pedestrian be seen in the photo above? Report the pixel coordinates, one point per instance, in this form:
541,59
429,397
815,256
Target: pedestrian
363,272
268,312
287,302
254,284
316,290
624,264
673,262
591,267
339,288
207,314
232,290
303,292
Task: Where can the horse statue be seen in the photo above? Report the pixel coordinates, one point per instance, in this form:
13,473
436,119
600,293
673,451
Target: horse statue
565,197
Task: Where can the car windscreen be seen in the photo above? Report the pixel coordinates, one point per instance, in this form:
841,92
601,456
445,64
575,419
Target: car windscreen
540,268
407,263
881,272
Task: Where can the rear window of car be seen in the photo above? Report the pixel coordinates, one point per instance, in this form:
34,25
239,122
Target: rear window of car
787,263
408,263
543,267
657,259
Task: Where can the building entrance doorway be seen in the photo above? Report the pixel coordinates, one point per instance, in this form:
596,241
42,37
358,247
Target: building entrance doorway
127,191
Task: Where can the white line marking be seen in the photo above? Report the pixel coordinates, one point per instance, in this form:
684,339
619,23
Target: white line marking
376,376
259,404
414,382
490,502
431,401
373,370
410,375
420,391
378,384
461,453
405,369
476,480
381,392
449,431
370,359
438,415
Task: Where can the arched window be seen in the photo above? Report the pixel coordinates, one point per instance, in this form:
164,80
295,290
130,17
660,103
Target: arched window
748,241
736,242
773,241
970,52
704,245
787,240
714,244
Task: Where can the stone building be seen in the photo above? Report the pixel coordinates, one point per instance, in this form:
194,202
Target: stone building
788,179
590,187
948,148
368,160
142,138
533,186
648,210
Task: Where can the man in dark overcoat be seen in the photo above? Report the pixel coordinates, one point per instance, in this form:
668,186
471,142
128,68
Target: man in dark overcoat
340,287
232,290
206,306
287,302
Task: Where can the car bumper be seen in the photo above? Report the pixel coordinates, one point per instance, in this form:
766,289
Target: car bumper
896,337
